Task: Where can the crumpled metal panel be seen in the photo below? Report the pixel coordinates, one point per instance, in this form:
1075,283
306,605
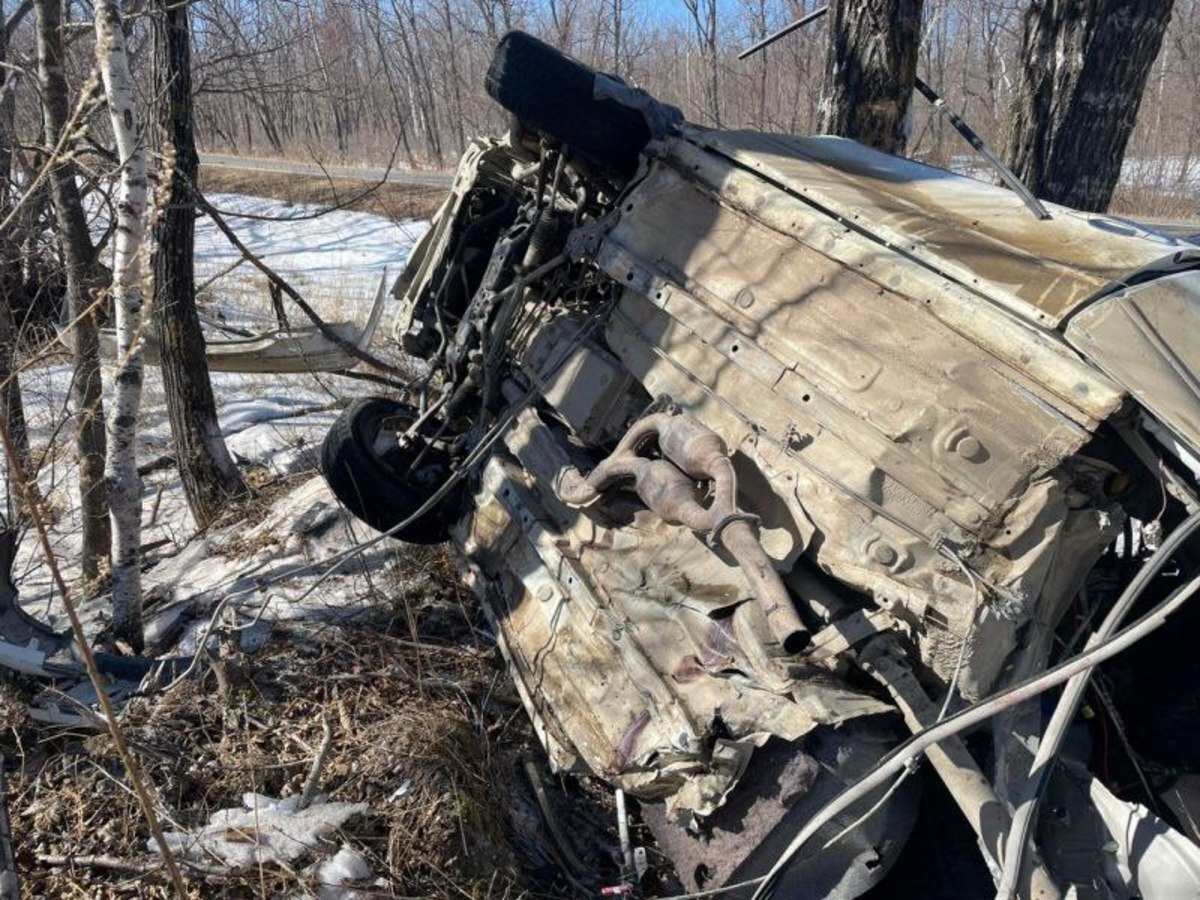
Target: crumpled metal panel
1057,373
928,406
980,234
636,649
1145,337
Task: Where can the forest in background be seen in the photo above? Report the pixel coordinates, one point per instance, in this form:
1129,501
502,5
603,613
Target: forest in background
366,81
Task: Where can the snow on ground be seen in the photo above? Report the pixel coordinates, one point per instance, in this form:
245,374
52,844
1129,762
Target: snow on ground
1176,175
274,422
335,260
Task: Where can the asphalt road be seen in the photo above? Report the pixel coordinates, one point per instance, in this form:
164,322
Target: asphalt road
288,167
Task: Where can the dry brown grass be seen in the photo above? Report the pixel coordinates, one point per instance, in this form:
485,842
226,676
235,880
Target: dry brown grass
427,732
202,752
393,201
1156,204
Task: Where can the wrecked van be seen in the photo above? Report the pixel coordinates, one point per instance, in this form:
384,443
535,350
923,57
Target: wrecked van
781,465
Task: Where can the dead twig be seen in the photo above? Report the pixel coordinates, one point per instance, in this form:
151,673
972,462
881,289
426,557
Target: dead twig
158,464
314,773
117,864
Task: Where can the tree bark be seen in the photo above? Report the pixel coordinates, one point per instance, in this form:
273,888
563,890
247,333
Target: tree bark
1085,65
124,482
79,258
12,409
870,68
210,478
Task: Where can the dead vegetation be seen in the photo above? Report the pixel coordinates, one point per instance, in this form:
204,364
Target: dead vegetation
391,200
425,730
1156,205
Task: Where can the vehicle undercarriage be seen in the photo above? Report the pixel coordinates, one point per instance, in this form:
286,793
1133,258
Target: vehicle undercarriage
766,453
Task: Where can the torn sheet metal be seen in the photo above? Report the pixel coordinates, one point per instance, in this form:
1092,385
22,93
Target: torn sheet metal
640,652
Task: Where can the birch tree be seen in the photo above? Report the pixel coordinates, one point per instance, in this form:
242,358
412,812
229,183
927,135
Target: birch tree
124,482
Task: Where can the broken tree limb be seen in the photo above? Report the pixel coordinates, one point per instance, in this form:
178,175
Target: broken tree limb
158,464
309,791
116,864
293,295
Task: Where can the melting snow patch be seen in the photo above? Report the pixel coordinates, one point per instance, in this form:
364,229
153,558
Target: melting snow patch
265,831
338,876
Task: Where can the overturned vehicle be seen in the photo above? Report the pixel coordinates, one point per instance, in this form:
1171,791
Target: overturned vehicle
782,465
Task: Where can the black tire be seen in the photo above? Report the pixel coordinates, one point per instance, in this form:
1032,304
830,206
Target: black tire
382,489
554,94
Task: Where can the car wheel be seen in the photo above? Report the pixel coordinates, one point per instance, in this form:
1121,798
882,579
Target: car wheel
373,477
550,92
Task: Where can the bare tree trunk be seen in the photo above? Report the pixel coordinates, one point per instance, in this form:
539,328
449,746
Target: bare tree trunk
401,117
124,482
460,136
79,258
870,68
1085,65
12,409
703,14
210,479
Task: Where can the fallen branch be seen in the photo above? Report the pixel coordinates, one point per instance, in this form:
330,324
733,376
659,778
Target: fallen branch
293,295
370,377
314,773
156,465
116,864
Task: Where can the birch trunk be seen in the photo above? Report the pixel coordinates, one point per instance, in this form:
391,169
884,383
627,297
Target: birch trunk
124,483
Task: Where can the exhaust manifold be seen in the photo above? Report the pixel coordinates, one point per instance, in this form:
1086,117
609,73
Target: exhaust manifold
692,452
